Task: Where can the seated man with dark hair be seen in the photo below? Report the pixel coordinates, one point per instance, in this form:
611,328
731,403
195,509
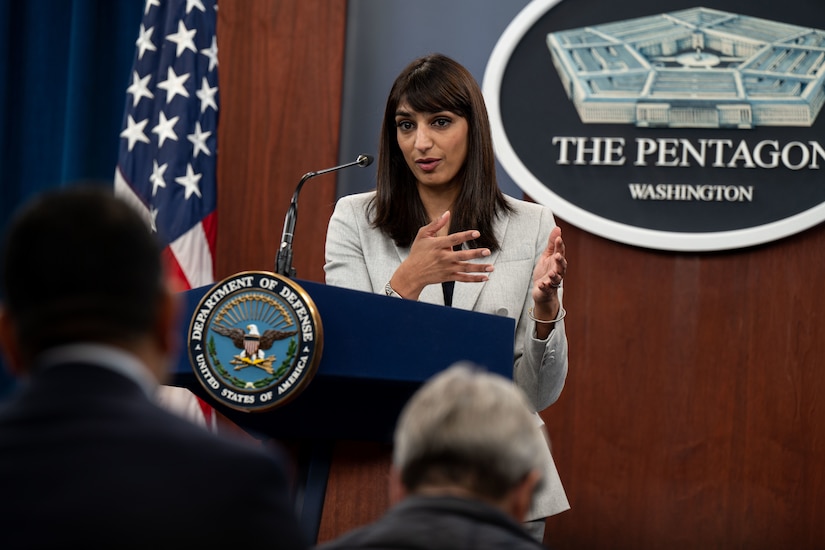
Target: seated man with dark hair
87,459
466,462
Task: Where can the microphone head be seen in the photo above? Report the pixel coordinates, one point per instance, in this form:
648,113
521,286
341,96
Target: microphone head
364,160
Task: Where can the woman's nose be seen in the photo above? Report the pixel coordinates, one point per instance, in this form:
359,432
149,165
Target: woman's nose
422,139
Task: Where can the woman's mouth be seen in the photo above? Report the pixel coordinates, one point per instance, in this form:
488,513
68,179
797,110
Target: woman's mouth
428,164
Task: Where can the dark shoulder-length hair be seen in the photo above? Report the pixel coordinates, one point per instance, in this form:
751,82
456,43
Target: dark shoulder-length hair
431,84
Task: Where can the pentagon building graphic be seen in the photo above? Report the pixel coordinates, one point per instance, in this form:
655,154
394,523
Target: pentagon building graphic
694,68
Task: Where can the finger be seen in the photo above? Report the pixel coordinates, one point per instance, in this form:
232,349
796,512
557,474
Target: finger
470,277
560,248
549,284
462,237
549,289
470,267
552,241
440,222
471,254
561,265
432,228
550,249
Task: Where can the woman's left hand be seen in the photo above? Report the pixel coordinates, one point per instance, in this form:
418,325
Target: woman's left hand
548,274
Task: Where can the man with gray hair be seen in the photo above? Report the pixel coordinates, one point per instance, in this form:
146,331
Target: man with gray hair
467,458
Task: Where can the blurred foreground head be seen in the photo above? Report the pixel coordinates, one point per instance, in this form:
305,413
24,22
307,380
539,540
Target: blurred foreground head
79,265
468,431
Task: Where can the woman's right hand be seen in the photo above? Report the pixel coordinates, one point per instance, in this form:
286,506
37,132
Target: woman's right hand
432,260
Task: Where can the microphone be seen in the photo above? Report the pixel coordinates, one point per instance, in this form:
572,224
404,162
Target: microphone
283,262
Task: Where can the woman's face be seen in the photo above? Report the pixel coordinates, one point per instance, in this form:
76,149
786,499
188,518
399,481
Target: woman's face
434,144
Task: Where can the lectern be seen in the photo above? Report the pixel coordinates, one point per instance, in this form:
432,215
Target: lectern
377,351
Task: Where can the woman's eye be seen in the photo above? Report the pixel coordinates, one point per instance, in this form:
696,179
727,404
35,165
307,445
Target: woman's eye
441,122
404,124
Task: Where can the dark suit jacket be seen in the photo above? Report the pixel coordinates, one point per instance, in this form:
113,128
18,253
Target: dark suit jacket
88,461
438,523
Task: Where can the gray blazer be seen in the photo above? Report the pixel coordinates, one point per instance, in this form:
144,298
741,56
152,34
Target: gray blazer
361,257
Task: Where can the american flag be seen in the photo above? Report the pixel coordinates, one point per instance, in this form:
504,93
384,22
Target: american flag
166,161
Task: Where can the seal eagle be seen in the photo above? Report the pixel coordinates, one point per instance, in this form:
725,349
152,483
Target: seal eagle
252,343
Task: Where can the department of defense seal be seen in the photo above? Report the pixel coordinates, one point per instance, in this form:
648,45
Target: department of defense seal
255,341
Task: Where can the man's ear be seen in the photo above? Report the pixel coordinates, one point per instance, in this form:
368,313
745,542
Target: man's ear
170,318
520,497
166,332
398,491
9,344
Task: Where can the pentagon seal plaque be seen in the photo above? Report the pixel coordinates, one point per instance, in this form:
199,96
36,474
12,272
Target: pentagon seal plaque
255,341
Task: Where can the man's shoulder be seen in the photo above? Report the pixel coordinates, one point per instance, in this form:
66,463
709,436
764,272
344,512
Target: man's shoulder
435,523
181,435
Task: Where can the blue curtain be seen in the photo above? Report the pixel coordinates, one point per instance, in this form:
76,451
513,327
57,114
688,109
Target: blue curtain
64,70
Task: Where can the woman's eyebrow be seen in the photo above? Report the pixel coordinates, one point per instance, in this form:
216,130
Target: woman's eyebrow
401,112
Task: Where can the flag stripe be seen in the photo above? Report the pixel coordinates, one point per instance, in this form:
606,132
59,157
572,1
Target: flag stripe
125,192
194,256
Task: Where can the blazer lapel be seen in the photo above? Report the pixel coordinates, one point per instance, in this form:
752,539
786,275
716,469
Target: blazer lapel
466,295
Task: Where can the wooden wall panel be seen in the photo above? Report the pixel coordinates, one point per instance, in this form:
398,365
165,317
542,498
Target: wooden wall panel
693,415
281,67
358,487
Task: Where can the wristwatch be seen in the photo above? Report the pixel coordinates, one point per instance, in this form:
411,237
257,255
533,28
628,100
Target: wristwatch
388,290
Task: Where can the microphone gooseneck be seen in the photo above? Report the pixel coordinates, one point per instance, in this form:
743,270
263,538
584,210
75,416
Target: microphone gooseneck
283,262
